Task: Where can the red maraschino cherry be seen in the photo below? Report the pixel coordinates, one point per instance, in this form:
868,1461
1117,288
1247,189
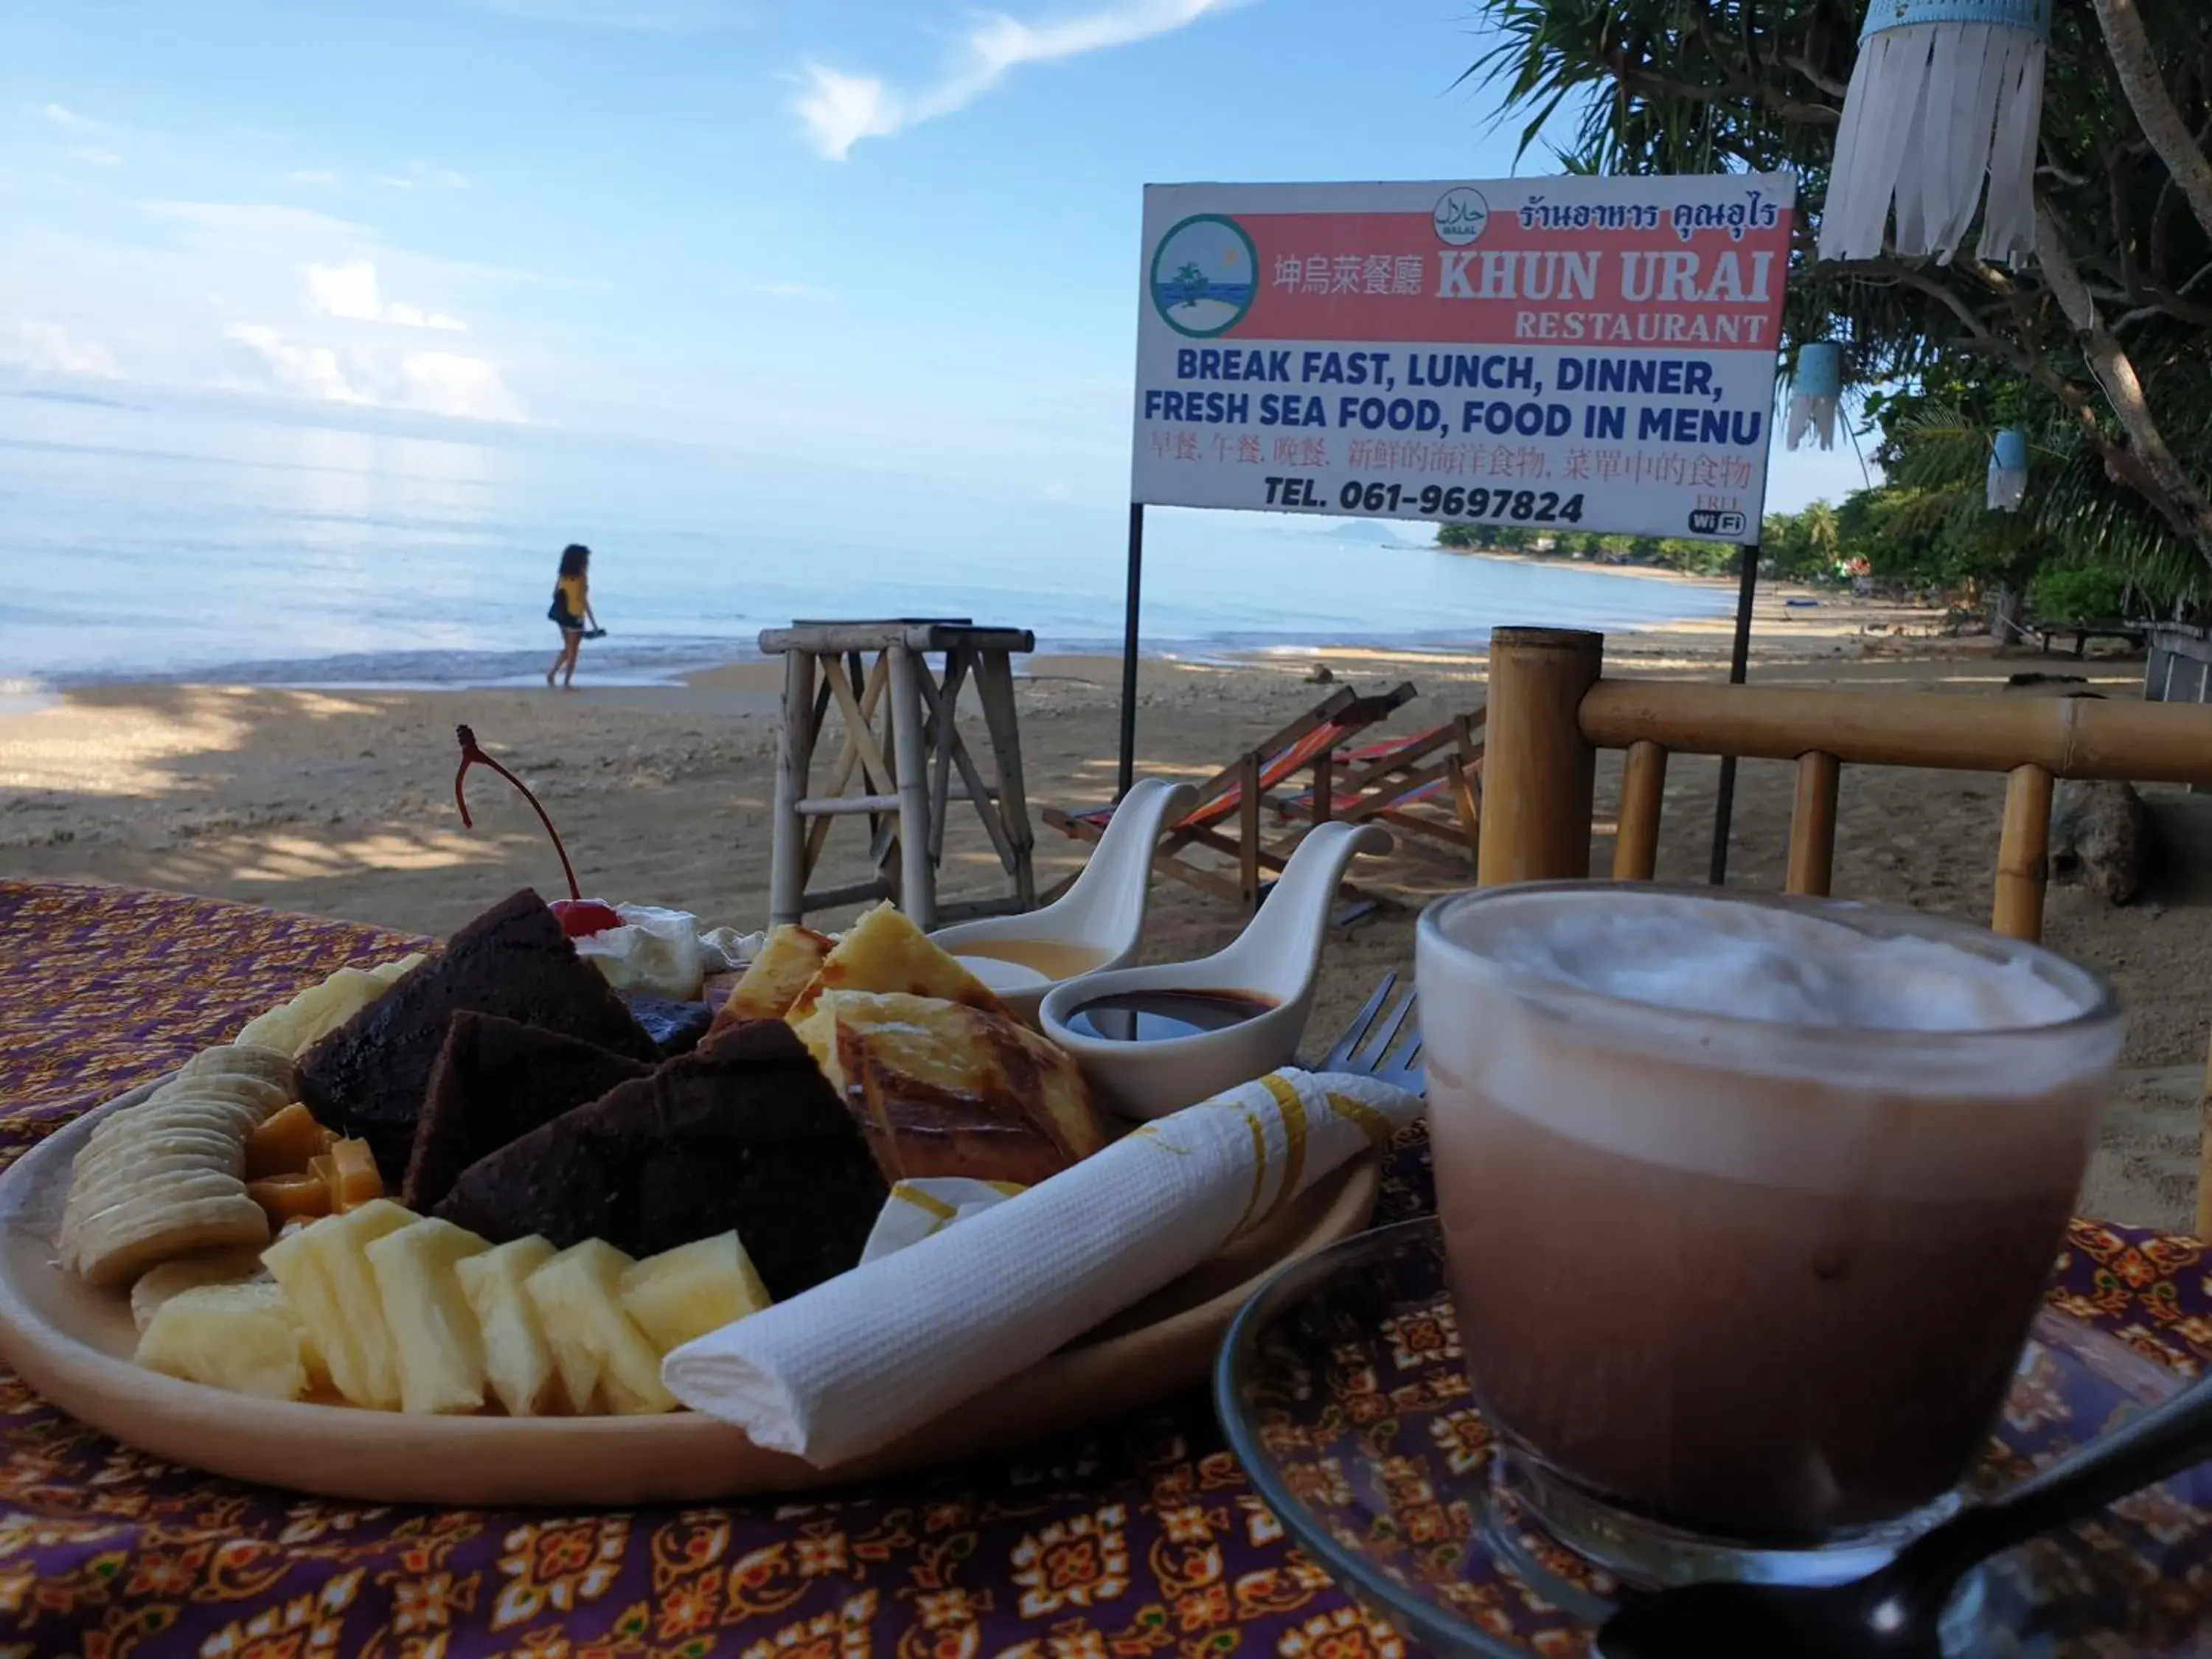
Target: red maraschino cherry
580,917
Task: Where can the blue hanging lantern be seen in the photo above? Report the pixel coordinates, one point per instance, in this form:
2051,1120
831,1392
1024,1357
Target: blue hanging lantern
1814,391
1945,93
2008,470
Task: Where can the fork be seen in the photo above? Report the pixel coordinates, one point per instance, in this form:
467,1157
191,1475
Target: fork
1366,1044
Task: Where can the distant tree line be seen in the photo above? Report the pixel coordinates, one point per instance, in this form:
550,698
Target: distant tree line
1927,530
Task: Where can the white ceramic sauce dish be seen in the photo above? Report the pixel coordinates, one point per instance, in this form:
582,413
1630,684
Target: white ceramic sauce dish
1274,961
1097,924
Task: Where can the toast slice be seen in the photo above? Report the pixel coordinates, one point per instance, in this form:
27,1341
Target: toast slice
942,1089
789,959
883,951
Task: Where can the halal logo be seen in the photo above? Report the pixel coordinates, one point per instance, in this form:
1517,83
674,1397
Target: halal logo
1205,272
1461,216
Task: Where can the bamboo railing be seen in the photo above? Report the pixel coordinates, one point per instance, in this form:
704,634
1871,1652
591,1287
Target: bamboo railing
1551,710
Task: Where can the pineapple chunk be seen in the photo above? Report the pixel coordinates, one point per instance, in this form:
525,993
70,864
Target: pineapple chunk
691,1290
578,1294
518,1363
433,1332
245,1337
326,1278
180,1273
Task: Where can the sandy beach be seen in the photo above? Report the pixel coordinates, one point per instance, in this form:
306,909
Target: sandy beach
340,803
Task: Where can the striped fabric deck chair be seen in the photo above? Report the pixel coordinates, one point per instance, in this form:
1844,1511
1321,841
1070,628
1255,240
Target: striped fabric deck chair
1438,770
1227,819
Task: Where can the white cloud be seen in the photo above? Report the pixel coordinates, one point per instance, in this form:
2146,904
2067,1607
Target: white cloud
69,118
838,110
427,382
407,316
51,349
344,291
310,176
423,173
309,371
442,383
351,291
93,156
792,290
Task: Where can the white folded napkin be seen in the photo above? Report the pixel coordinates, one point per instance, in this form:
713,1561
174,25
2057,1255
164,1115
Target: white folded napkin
917,1209
873,1353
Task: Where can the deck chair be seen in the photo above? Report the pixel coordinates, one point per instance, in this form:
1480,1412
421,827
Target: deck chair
1428,785
1227,818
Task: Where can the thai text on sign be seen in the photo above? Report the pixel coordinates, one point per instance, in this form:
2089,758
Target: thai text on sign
1595,354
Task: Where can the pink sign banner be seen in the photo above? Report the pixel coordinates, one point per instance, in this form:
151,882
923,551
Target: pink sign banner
1568,354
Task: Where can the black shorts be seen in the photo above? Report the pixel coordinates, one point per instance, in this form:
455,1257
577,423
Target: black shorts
567,622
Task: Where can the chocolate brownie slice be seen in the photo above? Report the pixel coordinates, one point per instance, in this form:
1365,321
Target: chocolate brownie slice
495,1082
743,1132
368,1078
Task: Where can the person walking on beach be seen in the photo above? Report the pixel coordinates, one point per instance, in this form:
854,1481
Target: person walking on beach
571,610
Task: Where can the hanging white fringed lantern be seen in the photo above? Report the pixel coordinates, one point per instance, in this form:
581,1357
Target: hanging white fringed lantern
2008,470
1814,391
1945,93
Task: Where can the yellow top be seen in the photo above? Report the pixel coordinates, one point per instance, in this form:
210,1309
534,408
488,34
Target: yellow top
571,591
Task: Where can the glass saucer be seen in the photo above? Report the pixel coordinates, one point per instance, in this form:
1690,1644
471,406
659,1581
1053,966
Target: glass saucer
1342,1391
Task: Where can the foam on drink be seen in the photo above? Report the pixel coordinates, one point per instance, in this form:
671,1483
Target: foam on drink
1786,967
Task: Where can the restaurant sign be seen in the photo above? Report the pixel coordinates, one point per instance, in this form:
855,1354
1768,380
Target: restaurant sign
1565,353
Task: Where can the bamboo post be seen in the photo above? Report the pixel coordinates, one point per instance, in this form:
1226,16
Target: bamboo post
2022,852
917,882
1642,790
1813,825
786,883
1538,772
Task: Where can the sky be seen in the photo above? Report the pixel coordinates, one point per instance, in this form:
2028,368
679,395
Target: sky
888,242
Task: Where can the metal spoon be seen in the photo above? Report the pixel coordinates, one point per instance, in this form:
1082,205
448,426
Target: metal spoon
1895,1613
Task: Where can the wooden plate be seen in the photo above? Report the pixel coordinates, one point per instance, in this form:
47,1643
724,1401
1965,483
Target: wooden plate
73,1344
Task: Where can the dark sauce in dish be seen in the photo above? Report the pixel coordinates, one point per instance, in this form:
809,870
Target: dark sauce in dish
1160,1016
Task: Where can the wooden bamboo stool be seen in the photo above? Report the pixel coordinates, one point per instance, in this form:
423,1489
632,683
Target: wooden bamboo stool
902,745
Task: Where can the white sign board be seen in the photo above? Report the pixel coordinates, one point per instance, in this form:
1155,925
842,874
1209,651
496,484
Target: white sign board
1571,353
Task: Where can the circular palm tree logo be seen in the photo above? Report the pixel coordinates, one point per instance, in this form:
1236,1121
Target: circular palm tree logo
1205,272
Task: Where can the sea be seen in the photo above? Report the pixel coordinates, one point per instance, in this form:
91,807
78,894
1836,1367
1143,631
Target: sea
227,539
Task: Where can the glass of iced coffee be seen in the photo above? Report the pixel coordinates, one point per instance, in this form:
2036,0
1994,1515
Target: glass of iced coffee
1748,1206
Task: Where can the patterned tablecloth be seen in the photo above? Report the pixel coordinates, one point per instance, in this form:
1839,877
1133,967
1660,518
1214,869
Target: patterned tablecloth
1139,1537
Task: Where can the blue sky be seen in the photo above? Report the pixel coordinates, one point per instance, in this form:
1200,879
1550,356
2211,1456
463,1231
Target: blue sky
894,236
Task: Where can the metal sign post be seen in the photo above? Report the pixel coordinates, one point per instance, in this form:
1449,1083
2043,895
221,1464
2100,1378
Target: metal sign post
1128,771
1739,666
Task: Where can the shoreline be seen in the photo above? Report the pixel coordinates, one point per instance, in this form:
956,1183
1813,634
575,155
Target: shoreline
682,662
672,658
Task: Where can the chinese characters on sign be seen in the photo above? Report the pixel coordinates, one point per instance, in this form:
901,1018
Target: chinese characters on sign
1589,352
